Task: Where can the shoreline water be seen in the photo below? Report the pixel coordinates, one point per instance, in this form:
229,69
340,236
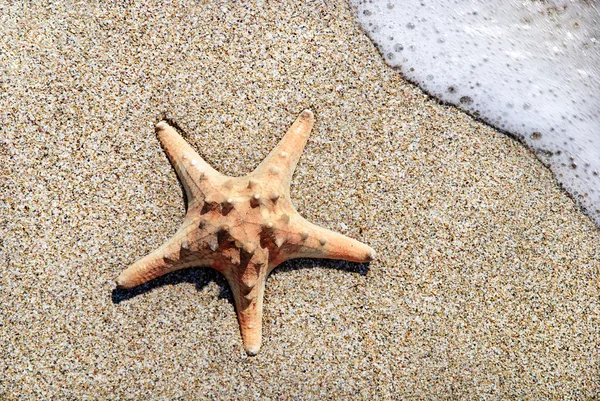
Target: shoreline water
527,68
486,279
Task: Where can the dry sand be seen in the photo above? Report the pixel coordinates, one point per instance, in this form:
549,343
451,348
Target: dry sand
486,284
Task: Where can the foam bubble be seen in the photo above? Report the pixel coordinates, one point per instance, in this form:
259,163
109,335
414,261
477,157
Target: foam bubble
531,68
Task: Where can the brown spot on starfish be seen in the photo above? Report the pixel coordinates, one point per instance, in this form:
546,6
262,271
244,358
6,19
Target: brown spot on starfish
242,227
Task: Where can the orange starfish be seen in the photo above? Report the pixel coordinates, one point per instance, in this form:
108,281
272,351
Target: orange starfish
243,227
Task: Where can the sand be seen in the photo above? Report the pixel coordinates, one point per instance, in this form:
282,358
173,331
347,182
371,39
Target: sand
486,282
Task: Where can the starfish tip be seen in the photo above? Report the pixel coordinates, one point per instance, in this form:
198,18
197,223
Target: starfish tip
371,255
252,350
307,114
161,125
121,283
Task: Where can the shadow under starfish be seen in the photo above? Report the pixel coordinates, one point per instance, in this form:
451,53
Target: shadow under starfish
202,277
243,227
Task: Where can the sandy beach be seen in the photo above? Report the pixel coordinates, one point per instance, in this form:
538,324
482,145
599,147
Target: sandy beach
486,280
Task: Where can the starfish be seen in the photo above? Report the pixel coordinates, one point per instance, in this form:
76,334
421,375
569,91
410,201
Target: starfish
243,227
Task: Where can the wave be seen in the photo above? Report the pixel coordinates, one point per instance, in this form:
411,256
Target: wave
530,68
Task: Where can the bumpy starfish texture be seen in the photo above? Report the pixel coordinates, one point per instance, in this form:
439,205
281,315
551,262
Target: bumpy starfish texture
242,227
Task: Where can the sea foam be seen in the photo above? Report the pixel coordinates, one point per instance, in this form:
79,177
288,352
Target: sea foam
531,68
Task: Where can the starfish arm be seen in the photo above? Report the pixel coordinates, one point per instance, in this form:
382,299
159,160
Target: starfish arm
248,288
189,165
280,164
312,241
171,256
249,315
